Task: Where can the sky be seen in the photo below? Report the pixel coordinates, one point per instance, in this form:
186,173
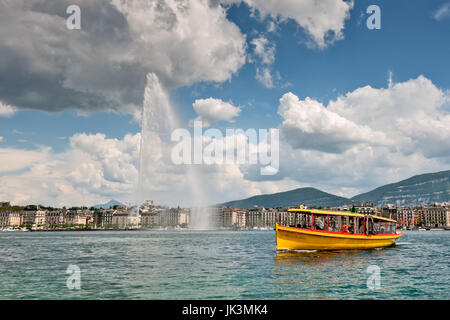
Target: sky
356,108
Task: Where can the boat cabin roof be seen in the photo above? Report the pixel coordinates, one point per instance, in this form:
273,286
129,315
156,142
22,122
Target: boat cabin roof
340,213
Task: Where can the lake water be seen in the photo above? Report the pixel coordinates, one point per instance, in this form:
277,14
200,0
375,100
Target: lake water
216,265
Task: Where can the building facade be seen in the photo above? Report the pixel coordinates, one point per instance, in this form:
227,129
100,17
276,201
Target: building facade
436,217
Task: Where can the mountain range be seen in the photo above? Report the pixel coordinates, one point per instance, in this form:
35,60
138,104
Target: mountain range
108,205
420,189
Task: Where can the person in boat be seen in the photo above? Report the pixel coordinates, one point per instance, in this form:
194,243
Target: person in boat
345,228
370,230
361,228
319,223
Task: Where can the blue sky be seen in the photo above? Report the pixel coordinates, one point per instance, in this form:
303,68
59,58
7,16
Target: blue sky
413,41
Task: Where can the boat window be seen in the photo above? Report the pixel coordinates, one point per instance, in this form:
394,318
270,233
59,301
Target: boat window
369,225
359,225
303,220
300,220
334,223
376,227
320,222
291,219
383,227
307,221
389,227
345,224
351,228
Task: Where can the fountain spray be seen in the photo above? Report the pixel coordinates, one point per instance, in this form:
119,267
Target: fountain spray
158,120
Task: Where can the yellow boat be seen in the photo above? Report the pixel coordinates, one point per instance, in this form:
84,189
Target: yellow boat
334,230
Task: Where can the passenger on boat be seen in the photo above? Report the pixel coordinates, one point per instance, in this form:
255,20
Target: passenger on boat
361,226
370,227
319,223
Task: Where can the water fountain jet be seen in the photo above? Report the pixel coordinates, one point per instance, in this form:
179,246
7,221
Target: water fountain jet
158,120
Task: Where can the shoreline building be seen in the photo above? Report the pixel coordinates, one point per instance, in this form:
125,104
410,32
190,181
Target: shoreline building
238,218
184,217
120,219
407,217
437,216
233,217
103,218
54,218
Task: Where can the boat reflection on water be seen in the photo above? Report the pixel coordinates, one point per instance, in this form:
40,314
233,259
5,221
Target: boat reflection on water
341,257
316,256
337,274
328,274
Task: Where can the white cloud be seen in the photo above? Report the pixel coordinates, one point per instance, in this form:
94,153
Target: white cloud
409,117
1,138
264,76
443,12
307,124
6,110
115,157
93,170
96,168
413,114
103,65
367,137
271,26
13,159
264,50
322,20
184,54
358,169
212,110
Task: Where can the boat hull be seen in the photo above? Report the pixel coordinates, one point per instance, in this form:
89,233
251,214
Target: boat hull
289,238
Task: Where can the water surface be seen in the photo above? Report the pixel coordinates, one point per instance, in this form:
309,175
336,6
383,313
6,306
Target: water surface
215,265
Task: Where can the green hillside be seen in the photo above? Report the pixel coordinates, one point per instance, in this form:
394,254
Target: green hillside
421,189
310,196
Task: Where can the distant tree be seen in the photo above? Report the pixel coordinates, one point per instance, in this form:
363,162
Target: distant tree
12,208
